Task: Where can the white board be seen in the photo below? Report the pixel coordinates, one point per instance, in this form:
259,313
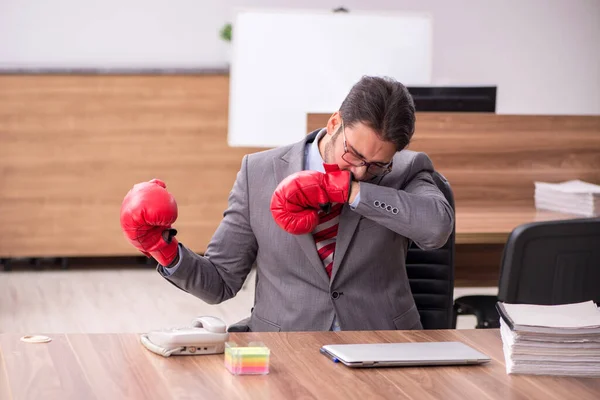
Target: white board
286,64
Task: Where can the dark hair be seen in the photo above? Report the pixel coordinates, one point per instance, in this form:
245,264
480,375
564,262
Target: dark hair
384,105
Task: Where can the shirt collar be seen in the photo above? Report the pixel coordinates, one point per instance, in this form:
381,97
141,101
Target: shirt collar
314,161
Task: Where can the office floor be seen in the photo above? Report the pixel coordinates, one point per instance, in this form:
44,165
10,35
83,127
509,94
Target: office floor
117,300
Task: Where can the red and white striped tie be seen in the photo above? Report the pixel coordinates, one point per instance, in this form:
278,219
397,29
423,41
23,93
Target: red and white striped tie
325,235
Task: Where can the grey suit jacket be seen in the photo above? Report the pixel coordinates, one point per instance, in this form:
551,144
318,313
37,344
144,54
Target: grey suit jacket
368,289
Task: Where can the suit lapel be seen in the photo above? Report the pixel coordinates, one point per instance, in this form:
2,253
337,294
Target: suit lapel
348,223
289,163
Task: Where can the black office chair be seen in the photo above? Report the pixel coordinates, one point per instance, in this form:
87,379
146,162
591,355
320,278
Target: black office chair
430,274
550,263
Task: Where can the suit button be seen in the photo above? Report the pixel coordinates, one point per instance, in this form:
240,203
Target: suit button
376,203
335,295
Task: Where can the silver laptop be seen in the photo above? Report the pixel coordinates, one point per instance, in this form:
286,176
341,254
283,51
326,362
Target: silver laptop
403,354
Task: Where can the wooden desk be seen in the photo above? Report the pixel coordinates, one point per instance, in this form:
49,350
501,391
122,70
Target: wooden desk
493,224
116,366
481,233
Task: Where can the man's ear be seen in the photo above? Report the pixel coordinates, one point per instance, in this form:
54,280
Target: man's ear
334,123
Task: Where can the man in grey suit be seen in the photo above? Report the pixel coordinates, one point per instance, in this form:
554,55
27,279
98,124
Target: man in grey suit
348,271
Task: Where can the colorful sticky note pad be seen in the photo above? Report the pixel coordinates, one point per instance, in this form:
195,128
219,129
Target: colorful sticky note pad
247,360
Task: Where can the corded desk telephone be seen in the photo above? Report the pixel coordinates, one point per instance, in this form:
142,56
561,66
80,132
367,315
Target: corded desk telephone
207,335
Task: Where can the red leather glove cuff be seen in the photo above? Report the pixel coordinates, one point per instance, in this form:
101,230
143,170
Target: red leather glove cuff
338,186
167,253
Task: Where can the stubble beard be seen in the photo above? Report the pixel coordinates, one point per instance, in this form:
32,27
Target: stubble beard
330,149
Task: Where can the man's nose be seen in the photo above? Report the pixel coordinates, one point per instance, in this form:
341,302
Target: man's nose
359,173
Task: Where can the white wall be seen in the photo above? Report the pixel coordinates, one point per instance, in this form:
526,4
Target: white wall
544,55
111,33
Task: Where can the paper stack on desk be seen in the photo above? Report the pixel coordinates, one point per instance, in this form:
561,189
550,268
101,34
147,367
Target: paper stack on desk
573,197
559,340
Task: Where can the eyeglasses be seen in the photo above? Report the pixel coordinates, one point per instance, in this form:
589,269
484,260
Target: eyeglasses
373,168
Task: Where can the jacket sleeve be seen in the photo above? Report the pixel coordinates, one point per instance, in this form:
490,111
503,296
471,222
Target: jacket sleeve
220,273
418,211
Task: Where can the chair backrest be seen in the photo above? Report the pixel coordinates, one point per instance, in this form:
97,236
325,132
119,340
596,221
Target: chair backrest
431,274
553,262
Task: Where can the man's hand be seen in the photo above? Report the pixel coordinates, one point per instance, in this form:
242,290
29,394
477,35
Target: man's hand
299,197
147,212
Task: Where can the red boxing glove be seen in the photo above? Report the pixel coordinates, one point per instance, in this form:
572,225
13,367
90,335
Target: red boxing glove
147,213
299,197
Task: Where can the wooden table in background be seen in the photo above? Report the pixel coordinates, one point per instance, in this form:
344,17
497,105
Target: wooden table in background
116,366
481,233
492,225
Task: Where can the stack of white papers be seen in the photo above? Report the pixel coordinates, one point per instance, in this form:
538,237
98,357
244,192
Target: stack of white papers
559,340
573,197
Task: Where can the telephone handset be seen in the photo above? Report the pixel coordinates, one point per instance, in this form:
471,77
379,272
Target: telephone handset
207,335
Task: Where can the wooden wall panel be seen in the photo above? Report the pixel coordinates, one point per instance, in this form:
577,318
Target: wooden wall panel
477,264
72,146
494,159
